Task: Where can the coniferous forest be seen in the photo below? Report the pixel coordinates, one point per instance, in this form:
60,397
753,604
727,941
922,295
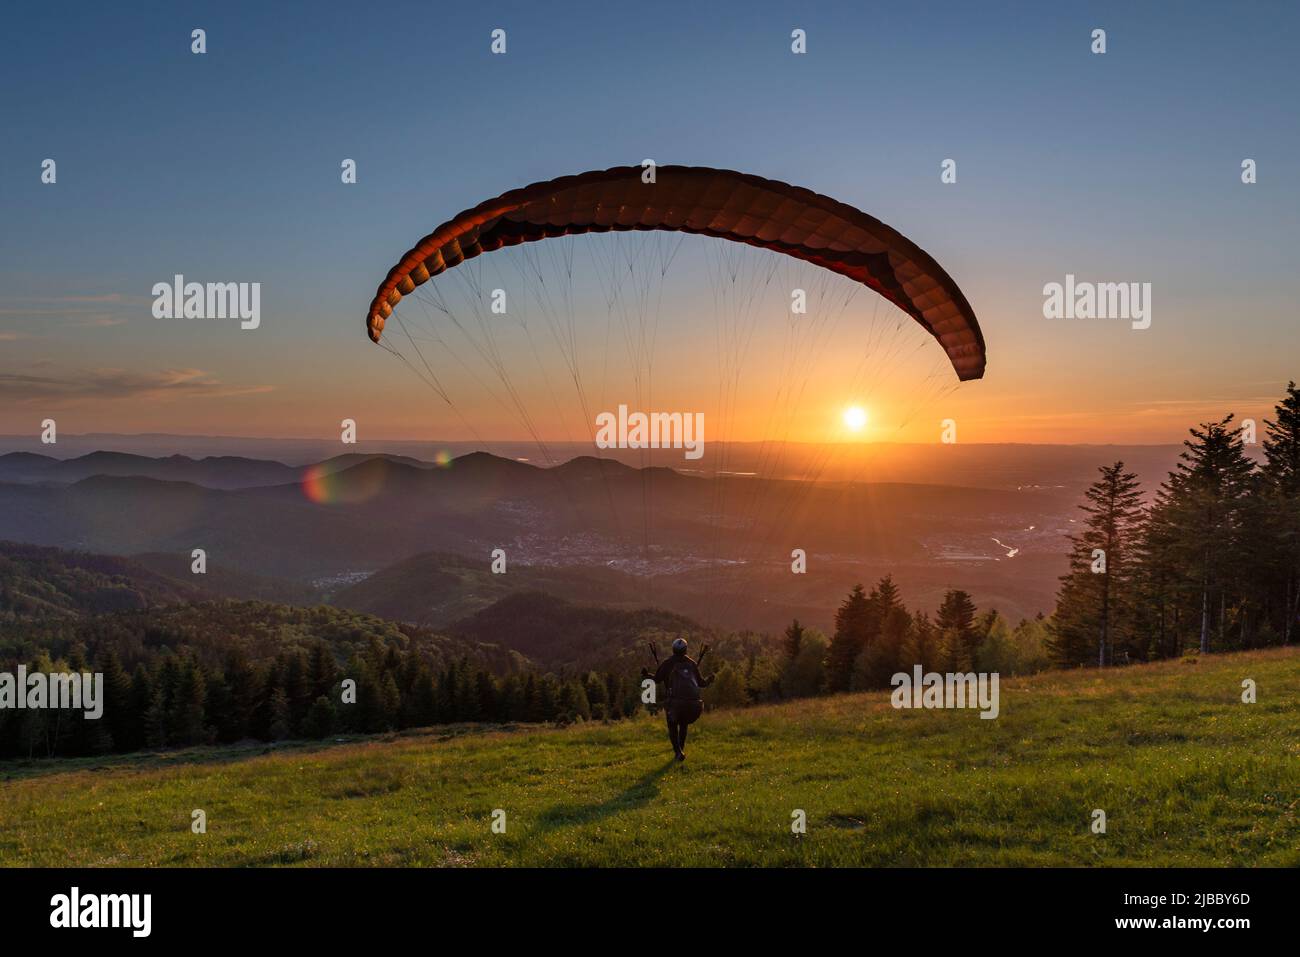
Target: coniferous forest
1208,562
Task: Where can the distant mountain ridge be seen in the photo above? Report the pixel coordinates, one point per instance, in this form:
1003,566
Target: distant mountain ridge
989,465
216,472
715,548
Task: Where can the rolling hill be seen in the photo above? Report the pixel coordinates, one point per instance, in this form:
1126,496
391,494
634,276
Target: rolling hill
975,464
1187,774
212,472
437,588
38,582
53,599
223,581
211,630
560,635
716,549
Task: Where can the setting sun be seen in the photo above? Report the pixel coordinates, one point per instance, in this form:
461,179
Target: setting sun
855,417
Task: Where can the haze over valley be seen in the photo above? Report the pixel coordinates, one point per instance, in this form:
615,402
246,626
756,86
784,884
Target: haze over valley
411,539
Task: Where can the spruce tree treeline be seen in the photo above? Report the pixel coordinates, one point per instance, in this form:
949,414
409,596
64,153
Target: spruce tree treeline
876,637
1212,564
180,702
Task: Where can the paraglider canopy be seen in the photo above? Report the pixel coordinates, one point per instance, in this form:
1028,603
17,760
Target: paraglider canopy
720,203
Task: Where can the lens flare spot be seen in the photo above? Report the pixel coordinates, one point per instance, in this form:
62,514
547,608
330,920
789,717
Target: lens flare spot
327,486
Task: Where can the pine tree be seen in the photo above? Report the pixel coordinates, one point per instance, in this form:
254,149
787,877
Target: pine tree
297,686
278,708
533,710
425,694
995,653
1206,498
1281,492
390,703
167,681
323,671
466,693
547,697
242,690
623,700
885,599
1098,589
595,687
957,614
262,716
954,652
879,660
514,702
155,721
486,693
117,701
805,675
921,646
319,721
793,640
191,696
1161,587
573,704
141,702
367,715
408,684
853,622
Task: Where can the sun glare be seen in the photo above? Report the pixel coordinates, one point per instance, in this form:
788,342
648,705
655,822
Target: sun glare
855,417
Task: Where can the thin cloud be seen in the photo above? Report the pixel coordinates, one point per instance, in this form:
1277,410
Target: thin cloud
110,385
99,322
102,297
89,311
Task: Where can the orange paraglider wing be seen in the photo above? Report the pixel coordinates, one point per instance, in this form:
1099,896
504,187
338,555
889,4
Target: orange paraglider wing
711,202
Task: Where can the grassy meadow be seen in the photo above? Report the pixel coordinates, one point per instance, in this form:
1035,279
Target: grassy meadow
1187,774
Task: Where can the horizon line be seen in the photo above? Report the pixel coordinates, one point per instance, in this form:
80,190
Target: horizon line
478,444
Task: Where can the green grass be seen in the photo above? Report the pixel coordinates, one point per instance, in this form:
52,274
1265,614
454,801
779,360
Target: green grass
1187,775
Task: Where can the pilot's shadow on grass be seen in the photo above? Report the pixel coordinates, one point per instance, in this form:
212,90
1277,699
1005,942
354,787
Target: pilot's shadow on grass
637,795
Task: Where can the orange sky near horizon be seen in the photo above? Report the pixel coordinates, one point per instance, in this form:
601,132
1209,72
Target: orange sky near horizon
1151,193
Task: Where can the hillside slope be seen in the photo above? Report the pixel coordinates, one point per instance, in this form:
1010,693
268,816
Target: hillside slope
54,600
435,589
37,581
50,582
559,634
1187,774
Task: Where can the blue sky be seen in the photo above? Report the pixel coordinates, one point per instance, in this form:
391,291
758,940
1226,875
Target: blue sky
226,166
